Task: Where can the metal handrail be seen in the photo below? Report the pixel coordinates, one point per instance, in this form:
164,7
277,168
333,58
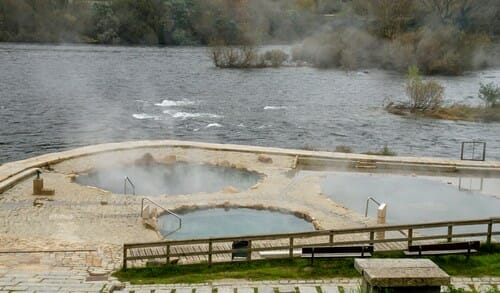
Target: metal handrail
127,179
367,201
165,210
474,142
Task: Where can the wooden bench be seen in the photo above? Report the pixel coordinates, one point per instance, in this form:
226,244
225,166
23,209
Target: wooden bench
467,248
242,249
336,251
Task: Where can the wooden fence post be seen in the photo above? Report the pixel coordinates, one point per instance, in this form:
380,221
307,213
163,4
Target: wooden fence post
490,230
331,237
124,258
249,250
290,249
372,236
168,253
450,233
410,236
209,252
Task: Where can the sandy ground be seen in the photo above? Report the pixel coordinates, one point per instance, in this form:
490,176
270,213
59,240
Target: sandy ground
83,217
85,227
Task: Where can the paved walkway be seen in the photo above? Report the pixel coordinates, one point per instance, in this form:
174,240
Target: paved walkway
299,286
76,279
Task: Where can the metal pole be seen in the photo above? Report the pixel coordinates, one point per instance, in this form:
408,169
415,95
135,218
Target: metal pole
473,150
484,151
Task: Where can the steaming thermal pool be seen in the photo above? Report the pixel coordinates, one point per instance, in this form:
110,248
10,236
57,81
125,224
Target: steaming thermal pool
159,179
219,222
413,199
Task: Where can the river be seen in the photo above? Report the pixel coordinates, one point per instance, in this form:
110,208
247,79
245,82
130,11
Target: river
56,97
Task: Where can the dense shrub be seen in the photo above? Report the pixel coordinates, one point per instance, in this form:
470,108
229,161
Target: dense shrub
423,96
490,94
442,51
245,57
348,48
274,58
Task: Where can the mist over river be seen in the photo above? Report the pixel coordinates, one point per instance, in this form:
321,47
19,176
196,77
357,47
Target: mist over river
54,98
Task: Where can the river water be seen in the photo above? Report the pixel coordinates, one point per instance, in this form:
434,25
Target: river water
54,98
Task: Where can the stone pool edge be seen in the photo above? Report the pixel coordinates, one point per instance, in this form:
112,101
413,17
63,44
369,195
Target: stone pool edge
13,172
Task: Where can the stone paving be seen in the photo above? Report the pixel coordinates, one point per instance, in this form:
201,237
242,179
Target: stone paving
87,226
78,280
299,286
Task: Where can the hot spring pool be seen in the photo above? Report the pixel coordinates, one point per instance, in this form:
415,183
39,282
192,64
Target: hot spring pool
171,179
219,222
413,199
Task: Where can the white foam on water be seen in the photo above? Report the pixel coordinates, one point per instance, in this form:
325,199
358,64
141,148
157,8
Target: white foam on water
213,125
143,116
274,107
241,125
186,115
171,103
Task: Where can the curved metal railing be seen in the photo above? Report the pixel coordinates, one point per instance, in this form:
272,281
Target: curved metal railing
165,210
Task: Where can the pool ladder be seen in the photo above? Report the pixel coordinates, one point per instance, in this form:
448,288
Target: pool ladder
164,211
127,180
368,201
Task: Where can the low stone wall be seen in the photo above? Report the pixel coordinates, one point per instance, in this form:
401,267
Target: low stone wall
12,172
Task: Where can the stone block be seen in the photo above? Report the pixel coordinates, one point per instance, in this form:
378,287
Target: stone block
417,275
245,290
330,289
230,189
204,289
37,186
307,289
264,159
96,262
265,289
170,159
145,212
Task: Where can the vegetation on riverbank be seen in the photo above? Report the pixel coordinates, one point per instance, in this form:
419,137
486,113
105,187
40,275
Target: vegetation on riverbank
246,57
486,263
155,22
425,99
453,112
440,36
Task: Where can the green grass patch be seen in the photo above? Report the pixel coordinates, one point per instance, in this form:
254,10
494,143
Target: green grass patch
256,271
485,263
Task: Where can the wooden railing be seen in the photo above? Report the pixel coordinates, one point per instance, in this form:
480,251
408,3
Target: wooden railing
404,235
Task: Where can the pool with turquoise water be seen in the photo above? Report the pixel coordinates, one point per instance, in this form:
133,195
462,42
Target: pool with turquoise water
220,222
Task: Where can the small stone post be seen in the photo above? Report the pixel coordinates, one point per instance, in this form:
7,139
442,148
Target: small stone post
38,186
381,218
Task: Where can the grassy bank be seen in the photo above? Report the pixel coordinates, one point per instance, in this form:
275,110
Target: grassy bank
454,112
256,271
487,263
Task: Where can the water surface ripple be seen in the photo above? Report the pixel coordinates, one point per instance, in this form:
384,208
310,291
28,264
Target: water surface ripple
54,98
